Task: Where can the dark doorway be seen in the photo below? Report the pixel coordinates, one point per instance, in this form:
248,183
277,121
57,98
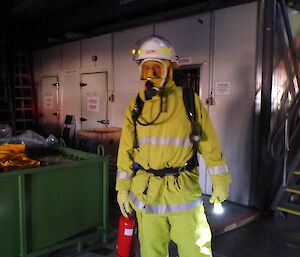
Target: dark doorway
188,77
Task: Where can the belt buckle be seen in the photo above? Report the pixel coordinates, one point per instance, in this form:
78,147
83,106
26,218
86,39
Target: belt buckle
183,168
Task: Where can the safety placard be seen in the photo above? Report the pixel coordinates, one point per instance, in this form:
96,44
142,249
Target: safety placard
48,102
223,88
93,104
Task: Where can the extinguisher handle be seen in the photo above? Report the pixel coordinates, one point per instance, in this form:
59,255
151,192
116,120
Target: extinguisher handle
131,215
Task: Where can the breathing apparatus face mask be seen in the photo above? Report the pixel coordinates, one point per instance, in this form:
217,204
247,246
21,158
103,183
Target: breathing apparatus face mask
154,73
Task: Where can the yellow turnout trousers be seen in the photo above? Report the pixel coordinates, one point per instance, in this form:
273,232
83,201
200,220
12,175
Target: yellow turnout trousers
189,230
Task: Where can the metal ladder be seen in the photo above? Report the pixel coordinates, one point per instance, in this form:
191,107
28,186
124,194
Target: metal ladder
24,96
290,195
6,103
287,199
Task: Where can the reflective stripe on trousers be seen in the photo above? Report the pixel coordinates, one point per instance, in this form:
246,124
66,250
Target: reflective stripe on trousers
164,208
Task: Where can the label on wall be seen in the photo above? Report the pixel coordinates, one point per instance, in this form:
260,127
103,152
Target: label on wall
48,102
185,60
93,104
223,88
70,72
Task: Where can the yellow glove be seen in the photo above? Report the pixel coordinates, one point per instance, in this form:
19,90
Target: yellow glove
123,201
220,187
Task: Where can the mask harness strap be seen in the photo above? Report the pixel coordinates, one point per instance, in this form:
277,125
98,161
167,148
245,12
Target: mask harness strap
136,112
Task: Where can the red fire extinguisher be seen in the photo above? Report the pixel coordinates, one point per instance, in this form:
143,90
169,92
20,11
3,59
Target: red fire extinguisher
127,237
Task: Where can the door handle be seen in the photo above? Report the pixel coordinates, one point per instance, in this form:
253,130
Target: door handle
210,100
55,113
103,121
83,119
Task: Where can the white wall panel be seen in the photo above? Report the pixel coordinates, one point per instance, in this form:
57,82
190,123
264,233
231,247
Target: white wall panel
37,65
93,99
49,115
70,81
70,95
47,63
126,71
234,63
71,56
100,46
50,61
97,46
36,77
190,36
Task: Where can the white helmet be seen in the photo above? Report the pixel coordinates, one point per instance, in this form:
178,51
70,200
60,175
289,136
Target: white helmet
153,47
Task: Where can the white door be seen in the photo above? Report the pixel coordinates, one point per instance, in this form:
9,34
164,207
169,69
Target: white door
93,100
49,118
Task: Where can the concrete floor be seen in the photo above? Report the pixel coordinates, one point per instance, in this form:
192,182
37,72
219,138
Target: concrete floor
265,237
239,232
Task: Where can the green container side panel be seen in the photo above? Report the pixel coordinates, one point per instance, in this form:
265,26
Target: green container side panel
9,217
62,201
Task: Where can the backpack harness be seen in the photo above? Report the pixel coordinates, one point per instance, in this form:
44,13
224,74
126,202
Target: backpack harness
189,103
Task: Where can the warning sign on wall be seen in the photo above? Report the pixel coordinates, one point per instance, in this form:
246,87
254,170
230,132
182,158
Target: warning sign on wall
223,88
48,102
93,104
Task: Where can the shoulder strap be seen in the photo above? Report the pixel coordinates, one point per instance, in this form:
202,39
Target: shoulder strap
138,107
135,113
189,103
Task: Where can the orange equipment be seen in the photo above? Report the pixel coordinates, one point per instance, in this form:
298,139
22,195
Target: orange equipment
13,155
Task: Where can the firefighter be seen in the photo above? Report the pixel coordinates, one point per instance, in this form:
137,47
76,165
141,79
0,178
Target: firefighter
157,164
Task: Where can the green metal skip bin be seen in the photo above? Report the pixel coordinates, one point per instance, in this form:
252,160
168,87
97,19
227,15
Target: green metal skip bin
50,207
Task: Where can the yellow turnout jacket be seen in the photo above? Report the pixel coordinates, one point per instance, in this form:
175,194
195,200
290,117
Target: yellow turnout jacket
166,144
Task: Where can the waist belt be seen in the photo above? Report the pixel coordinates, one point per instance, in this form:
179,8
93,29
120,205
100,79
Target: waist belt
190,165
